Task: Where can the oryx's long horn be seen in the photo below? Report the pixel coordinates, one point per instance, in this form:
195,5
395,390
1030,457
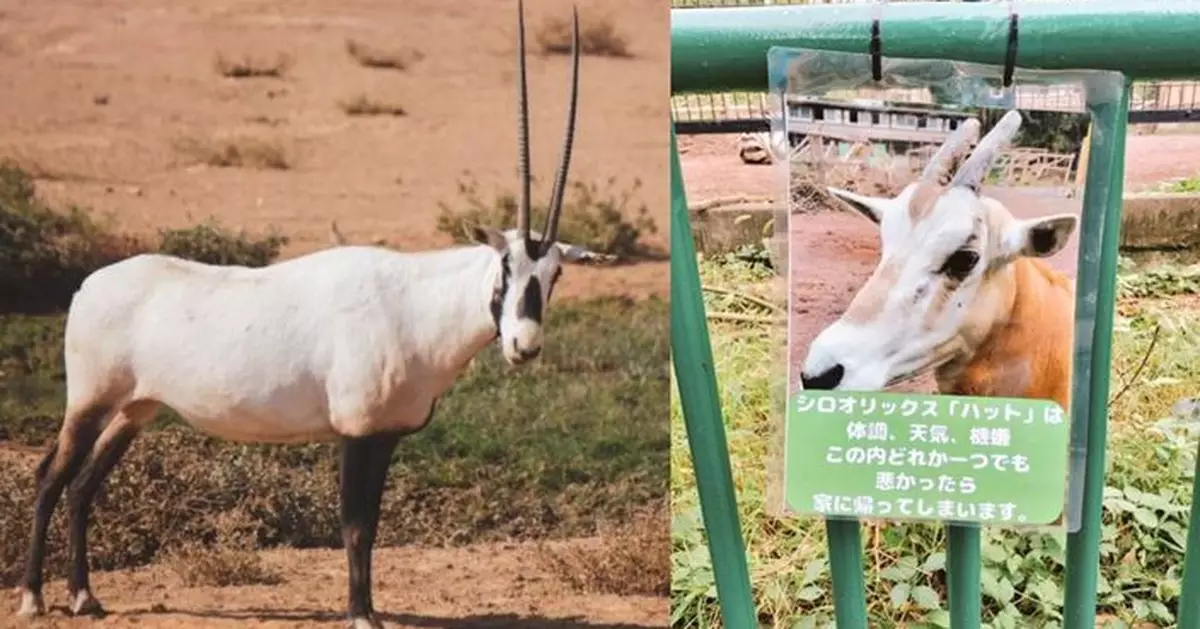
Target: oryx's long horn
522,126
560,177
973,171
938,170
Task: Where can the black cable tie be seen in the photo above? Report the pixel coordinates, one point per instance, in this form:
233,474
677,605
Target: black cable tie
1010,57
876,49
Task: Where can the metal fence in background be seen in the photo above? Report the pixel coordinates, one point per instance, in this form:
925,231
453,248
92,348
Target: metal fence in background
748,112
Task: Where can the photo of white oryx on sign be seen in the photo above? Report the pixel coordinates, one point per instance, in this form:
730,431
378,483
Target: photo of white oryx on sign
939,263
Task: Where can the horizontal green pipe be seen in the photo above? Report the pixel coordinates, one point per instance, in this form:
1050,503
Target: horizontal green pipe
725,49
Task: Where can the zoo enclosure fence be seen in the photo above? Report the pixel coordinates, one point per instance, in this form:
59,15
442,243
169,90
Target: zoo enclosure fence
1150,102
729,56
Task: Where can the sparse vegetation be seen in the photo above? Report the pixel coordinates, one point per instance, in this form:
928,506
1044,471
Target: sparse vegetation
370,56
248,66
1187,185
363,105
238,152
46,253
232,560
267,120
212,244
1147,499
589,456
597,36
630,559
601,219
591,453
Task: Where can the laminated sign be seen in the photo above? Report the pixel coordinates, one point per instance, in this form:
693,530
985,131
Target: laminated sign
933,213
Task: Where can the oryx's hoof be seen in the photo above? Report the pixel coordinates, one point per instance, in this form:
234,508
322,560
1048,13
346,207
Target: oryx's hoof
31,604
84,604
365,623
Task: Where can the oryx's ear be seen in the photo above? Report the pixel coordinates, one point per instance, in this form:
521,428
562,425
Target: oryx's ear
488,236
870,207
1038,237
575,254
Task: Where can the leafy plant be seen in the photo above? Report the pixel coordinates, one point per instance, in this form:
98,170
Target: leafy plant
45,252
601,219
1191,184
1147,498
212,244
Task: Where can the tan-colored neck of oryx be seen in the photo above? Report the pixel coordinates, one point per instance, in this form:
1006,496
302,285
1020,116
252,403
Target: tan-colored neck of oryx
550,231
1018,341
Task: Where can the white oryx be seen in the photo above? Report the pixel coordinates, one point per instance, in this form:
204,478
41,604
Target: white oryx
350,343
958,289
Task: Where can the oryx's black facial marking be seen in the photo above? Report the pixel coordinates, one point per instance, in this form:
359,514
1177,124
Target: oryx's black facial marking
497,304
530,305
533,249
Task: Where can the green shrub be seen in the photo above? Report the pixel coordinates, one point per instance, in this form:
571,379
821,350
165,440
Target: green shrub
46,253
602,219
212,244
1189,185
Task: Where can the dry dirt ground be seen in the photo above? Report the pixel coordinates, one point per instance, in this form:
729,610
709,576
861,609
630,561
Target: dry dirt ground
416,589
833,253
101,98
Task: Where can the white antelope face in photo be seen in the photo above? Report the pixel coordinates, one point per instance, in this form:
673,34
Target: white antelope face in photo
941,279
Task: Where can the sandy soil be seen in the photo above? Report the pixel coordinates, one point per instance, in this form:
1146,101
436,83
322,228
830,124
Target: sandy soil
833,253
99,97
492,587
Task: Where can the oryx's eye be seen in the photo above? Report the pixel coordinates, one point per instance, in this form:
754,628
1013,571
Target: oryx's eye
960,264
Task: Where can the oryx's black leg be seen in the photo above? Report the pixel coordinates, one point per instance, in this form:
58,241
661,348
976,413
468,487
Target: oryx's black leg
59,467
109,448
365,462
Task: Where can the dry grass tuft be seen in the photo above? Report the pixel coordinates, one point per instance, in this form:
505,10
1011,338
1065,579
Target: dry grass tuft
631,560
247,66
363,105
232,560
370,56
814,168
597,36
238,152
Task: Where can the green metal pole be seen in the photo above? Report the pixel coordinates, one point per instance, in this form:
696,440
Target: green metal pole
845,566
1189,600
964,560
1106,173
724,49
692,358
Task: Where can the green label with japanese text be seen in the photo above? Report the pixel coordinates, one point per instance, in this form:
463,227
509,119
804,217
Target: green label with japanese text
926,457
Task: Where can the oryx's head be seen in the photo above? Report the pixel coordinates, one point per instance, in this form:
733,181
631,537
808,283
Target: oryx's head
943,271
530,261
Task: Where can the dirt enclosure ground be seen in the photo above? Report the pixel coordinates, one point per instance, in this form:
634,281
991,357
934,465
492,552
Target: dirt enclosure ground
416,589
833,253
102,99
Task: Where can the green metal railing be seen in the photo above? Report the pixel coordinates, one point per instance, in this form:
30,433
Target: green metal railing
747,110
722,50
